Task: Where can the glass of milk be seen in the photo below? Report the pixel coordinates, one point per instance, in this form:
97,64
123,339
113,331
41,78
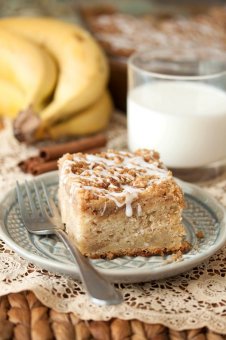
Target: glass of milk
177,106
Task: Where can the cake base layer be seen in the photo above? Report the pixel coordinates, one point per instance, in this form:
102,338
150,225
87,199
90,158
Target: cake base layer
185,246
154,231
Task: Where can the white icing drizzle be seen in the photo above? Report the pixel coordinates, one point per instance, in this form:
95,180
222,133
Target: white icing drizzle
139,210
103,211
97,171
131,195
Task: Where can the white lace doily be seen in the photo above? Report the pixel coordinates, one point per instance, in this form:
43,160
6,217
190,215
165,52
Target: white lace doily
191,300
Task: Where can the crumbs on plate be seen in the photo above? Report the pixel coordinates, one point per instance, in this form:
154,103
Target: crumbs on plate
200,234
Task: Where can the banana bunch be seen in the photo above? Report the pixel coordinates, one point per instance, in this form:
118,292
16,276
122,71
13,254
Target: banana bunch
23,67
56,75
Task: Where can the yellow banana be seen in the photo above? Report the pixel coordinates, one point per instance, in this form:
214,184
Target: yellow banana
91,120
82,64
12,99
26,66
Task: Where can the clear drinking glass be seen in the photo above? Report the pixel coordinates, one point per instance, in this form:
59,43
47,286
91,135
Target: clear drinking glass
177,106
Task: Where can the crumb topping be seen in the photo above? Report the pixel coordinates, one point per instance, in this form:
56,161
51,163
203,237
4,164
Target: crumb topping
118,175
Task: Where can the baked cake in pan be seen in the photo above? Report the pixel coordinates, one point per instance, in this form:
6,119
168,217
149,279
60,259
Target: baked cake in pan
122,34
119,203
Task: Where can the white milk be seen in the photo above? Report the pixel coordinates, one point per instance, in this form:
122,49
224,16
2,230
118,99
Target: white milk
184,121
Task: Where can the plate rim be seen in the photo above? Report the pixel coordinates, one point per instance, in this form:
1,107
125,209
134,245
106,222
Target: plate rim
131,275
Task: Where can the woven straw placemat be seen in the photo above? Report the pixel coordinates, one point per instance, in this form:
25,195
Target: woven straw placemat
24,317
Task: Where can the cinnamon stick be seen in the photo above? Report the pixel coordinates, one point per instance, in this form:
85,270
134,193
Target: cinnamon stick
37,165
55,151
27,165
44,167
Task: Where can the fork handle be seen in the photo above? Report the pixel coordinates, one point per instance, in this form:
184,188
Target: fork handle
101,291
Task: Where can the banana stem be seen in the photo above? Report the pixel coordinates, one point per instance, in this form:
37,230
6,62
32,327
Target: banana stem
25,125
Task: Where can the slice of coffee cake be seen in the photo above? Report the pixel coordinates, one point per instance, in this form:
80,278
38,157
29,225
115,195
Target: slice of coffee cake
121,203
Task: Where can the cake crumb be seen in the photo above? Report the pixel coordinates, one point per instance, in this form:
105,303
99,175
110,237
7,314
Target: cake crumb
178,256
200,234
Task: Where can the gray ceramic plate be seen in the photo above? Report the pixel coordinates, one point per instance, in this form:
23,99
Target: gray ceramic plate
202,213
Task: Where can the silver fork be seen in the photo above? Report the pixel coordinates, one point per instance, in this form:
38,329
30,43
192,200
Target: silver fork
100,290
